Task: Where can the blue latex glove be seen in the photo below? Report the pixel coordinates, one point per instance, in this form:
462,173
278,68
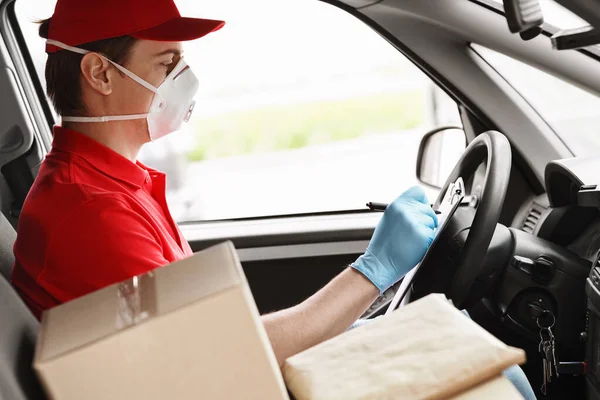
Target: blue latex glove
400,240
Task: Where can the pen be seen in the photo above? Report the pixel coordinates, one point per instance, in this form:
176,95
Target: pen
374,206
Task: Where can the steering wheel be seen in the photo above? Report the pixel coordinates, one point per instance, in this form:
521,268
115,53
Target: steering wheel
455,260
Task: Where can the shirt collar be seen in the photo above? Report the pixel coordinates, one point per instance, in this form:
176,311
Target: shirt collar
101,157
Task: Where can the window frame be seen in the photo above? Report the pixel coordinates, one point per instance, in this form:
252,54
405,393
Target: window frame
32,86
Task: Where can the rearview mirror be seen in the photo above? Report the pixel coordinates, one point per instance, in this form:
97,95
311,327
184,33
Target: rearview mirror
439,152
524,17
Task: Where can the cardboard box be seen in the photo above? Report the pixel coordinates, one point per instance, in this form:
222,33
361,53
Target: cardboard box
190,330
426,350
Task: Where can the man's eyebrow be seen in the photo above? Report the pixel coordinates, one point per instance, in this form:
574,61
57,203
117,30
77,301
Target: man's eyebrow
175,52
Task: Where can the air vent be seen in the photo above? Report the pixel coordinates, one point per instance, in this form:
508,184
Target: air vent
533,217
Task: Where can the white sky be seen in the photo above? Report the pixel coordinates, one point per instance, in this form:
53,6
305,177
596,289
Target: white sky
302,48
271,42
263,40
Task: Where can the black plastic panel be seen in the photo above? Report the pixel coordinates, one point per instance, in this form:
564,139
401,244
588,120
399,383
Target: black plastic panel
283,239
565,177
278,284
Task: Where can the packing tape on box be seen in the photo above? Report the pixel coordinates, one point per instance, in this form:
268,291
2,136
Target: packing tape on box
136,300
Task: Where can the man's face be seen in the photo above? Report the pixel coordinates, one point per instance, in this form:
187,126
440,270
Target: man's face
151,61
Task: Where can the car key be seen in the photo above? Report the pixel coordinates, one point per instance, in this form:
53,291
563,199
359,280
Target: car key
554,360
547,349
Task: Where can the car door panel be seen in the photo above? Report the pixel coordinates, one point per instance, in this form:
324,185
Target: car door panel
288,259
279,284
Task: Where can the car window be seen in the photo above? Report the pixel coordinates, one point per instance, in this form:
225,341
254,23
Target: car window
573,113
302,108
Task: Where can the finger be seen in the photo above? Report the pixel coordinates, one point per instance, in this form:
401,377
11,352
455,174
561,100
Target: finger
430,234
430,212
417,193
428,221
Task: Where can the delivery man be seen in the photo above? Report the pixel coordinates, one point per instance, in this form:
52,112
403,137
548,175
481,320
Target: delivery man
96,216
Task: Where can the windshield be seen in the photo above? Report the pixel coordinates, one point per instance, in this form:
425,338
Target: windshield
558,16
573,113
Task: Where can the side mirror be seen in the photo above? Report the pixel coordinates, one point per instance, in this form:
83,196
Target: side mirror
439,152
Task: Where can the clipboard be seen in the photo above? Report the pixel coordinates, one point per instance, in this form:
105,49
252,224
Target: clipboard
452,200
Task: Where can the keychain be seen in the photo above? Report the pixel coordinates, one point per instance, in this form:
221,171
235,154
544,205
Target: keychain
547,348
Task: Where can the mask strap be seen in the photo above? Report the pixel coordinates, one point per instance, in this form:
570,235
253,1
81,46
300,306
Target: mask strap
119,67
105,119
66,46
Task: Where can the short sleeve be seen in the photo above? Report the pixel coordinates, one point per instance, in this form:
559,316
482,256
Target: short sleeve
103,241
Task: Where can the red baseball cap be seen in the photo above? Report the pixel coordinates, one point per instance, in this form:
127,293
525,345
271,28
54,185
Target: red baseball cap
76,22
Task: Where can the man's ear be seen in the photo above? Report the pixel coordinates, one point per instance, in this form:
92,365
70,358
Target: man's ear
96,72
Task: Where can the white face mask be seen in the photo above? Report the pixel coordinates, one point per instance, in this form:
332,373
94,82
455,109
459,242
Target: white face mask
173,101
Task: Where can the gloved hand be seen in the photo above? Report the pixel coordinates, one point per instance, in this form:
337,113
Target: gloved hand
400,240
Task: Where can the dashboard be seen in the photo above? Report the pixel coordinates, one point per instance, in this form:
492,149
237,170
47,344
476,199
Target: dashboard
554,240
568,214
560,228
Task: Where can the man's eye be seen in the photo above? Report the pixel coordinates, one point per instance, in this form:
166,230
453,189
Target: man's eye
166,61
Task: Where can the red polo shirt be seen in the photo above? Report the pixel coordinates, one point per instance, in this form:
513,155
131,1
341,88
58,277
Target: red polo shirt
92,218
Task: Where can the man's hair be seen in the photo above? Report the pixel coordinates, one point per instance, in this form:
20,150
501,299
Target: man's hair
63,75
